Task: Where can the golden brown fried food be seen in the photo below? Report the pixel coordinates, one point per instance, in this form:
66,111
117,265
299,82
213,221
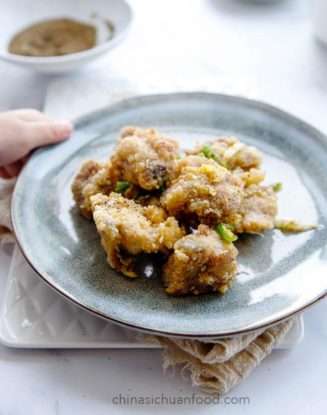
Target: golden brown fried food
92,178
215,189
128,229
231,153
201,263
259,210
144,157
206,190
242,159
293,226
249,177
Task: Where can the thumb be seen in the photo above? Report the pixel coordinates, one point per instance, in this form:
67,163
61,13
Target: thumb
48,132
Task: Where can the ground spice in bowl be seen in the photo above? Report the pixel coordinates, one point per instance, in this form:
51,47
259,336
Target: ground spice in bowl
53,37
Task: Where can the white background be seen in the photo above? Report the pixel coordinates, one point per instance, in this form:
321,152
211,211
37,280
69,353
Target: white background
265,50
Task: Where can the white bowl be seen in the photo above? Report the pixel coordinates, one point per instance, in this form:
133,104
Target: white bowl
319,9
18,14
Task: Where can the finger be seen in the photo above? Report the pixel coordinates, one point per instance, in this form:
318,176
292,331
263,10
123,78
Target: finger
29,115
24,160
3,173
13,169
42,133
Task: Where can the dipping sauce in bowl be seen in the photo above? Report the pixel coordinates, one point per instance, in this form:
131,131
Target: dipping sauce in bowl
54,37
61,36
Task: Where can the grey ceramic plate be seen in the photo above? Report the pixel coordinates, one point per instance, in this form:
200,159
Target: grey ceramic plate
279,275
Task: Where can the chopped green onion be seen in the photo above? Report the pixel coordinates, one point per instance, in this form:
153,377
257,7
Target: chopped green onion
277,187
207,152
225,233
121,186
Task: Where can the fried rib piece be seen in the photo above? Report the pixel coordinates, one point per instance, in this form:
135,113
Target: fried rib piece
249,177
259,210
231,153
245,161
128,229
212,194
144,157
92,178
204,189
236,154
201,263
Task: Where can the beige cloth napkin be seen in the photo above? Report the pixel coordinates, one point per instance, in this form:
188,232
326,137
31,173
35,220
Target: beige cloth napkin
215,366
6,189
218,367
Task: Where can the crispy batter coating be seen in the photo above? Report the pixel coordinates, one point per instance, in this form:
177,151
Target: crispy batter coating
92,178
293,226
128,229
219,183
232,153
201,263
242,159
249,177
259,210
144,157
204,189
236,154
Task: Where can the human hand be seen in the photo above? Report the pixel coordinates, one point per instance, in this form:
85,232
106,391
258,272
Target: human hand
21,131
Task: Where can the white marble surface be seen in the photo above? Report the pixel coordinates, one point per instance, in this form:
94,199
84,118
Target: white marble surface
263,50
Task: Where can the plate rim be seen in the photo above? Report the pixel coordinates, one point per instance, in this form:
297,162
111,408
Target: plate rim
78,122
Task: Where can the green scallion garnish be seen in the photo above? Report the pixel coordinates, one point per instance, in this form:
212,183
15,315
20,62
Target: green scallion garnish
226,233
208,153
122,186
277,187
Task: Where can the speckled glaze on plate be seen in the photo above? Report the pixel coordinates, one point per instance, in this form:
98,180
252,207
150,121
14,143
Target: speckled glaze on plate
278,274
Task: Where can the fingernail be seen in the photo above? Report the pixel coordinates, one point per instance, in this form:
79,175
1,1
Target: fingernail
63,129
